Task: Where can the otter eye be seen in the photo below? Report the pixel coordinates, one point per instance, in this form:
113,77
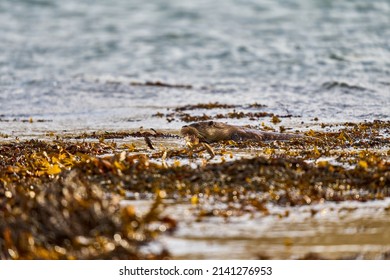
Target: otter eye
211,123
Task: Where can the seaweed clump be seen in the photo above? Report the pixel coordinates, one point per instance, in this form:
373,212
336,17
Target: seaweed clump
50,209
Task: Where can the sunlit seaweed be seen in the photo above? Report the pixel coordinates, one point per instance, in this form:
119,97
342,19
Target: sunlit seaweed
60,199
71,218
50,209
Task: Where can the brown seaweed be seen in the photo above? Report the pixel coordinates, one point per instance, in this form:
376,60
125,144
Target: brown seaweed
60,199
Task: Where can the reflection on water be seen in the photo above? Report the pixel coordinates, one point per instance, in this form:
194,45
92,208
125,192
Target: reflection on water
330,230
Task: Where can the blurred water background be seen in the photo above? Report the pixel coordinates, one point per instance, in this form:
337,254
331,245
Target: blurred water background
74,63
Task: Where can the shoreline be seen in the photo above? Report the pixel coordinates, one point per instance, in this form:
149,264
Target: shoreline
89,175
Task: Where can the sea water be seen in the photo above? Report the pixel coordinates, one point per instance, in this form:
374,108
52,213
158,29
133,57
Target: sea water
72,65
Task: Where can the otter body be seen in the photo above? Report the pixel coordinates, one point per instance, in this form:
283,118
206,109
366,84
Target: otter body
209,132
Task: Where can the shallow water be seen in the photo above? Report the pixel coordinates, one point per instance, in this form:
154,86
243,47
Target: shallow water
72,62
331,230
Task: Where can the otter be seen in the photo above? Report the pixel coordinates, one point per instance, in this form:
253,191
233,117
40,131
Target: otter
210,132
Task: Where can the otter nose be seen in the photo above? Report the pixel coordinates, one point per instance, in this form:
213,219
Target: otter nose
185,125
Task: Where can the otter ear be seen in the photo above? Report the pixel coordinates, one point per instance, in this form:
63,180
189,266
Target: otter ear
211,123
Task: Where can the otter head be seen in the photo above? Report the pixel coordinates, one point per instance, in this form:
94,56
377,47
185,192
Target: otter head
204,131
